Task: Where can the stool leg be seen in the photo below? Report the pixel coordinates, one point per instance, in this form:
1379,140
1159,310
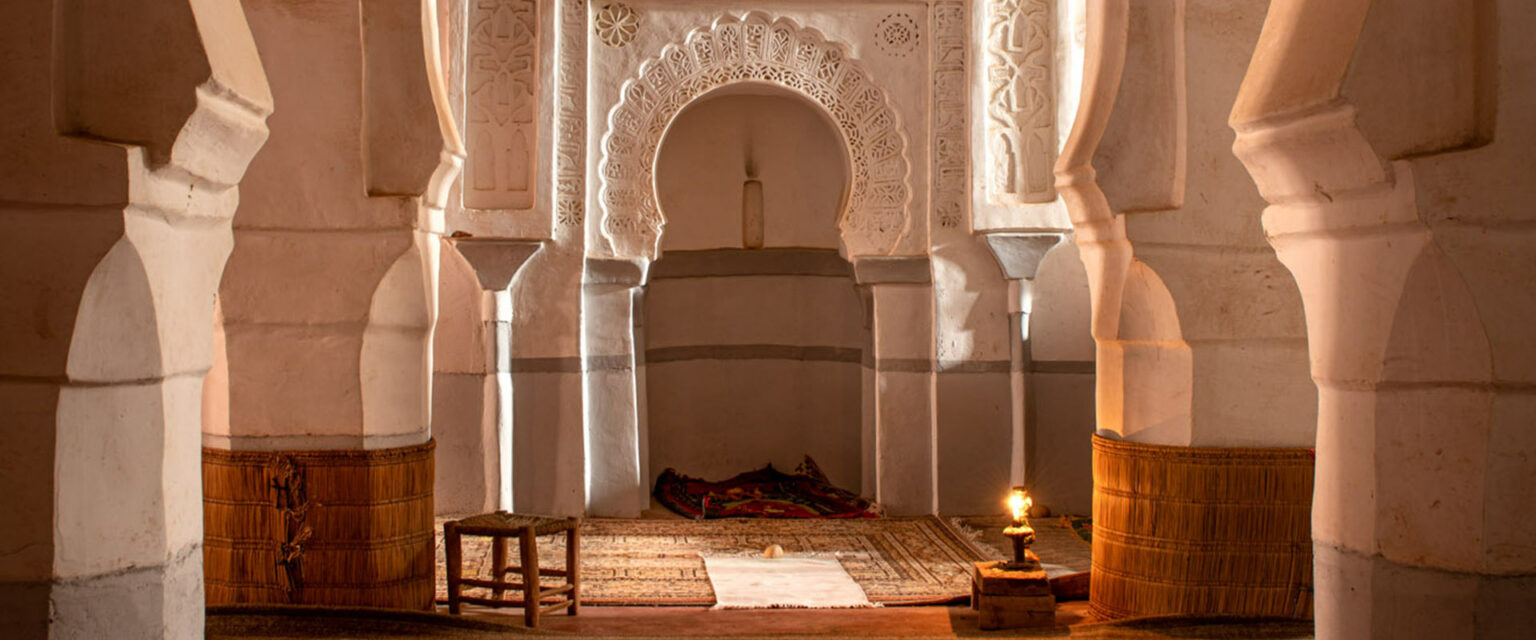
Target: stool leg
498,564
455,564
573,568
529,546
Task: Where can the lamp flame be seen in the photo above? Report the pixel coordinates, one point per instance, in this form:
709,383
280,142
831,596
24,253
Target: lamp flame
1019,503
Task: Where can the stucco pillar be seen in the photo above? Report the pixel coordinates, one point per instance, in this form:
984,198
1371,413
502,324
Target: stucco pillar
1204,411
612,406
329,303
472,377
1393,143
127,128
1019,255
900,427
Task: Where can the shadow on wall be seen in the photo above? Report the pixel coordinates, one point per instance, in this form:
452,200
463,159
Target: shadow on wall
1059,363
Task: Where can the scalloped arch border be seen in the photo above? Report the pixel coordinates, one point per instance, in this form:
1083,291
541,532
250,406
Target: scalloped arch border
754,48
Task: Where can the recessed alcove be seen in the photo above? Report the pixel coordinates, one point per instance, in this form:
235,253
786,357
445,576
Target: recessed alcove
753,330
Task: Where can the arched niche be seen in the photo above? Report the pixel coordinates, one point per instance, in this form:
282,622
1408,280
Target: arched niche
779,52
753,339
752,132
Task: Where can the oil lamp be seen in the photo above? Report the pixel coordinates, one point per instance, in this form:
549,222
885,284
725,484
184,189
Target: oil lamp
1021,533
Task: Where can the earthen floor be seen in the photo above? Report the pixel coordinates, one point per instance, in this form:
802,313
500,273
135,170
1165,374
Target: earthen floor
697,623
1056,546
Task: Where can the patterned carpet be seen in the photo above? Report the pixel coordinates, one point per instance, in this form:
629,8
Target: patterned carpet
918,560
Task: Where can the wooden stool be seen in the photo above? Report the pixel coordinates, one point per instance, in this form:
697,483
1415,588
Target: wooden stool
499,527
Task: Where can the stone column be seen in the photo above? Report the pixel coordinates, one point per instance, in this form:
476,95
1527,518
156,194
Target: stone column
329,303
1203,407
128,127
612,406
900,427
1393,143
472,377
1019,255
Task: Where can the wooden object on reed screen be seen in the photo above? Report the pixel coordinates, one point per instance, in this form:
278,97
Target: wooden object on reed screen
1011,597
500,527
345,528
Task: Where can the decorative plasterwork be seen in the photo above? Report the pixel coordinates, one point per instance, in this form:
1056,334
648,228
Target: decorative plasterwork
755,49
455,25
1020,114
897,35
571,114
502,106
951,145
616,24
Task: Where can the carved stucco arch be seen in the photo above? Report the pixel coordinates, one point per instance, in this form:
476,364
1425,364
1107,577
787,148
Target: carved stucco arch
779,52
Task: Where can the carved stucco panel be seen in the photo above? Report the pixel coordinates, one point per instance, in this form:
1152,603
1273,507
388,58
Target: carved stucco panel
754,48
571,116
951,129
502,104
1020,126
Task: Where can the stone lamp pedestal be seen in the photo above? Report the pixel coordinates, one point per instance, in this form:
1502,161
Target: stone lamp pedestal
1012,595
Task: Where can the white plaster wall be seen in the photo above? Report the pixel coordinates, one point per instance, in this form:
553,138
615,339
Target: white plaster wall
1058,325
744,397
1061,367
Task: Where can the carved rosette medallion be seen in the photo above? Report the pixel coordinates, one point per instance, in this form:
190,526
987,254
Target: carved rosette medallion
897,35
951,154
1021,123
755,49
616,24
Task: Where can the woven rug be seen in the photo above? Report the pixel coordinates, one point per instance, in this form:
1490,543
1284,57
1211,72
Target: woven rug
1080,525
916,560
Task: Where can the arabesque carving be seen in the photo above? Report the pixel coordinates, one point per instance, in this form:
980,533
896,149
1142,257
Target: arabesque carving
755,49
1020,111
571,114
951,129
503,99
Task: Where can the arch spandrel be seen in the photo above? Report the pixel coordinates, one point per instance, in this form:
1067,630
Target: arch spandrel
754,48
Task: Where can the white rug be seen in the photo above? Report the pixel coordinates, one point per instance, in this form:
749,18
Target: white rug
787,582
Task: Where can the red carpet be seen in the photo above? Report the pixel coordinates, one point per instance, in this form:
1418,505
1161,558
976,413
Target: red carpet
764,493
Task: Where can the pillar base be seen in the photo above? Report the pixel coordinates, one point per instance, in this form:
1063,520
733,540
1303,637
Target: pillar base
1201,531
368,517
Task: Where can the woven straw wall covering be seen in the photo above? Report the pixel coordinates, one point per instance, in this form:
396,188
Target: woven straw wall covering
1180,530
342,528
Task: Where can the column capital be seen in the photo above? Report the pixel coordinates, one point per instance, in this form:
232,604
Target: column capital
496,262
1019,253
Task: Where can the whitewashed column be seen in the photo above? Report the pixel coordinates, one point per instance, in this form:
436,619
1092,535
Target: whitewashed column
611,406
899,384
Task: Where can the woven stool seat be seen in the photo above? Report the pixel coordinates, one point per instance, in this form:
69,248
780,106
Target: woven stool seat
502,522
500,527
